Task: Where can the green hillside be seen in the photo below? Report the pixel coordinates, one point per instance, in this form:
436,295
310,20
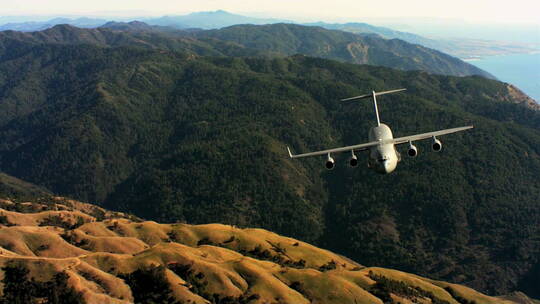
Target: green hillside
291,39
17,189
135,34
175,137
277,40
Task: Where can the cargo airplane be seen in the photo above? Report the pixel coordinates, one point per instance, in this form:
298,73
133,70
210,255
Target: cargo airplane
383,156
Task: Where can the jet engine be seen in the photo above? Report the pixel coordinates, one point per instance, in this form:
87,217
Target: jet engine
413,151
353,161
436,145
330,163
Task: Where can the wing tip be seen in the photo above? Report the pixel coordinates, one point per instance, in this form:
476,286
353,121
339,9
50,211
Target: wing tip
289,150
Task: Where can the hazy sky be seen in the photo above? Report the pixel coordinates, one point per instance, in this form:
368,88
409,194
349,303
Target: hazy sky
490,11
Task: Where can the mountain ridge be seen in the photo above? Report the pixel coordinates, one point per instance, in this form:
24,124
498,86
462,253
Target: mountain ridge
171,137
265,40
209,20
330,44
205,20
460,47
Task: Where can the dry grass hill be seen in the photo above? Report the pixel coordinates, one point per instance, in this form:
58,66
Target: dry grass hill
101,252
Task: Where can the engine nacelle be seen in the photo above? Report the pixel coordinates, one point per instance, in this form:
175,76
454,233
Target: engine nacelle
412,151
330,163
436,145
353,161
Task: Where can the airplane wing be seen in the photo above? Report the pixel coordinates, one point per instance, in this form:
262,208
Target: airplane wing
406,139
359,147
396,141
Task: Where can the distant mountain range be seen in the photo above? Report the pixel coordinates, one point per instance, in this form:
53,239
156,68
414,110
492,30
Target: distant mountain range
210,20
459,47
260,40
202,20
31,26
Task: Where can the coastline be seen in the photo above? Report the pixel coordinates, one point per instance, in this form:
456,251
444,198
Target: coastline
519,69
482,57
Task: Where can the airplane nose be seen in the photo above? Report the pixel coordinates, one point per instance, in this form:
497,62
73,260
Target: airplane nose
389,166
386,165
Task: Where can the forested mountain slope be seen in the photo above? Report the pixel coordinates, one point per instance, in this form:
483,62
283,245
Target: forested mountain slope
277,40
370,49
176,137
134,34
458,47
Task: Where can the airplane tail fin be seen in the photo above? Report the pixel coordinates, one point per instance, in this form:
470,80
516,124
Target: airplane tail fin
374,96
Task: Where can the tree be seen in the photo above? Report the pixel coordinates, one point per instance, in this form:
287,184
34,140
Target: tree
149,286
18,289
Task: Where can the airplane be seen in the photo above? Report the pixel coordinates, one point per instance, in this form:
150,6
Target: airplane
383,156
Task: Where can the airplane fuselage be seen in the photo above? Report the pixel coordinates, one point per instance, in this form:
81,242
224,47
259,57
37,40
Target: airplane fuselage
384,157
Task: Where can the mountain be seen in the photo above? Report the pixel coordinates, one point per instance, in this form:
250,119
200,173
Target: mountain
202,20
172,136
136,26
209,20
293,39
364,28
459,47
60,248
18,189
133,34
267,40
31,26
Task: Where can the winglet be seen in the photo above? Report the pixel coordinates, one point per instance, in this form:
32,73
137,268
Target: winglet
290,154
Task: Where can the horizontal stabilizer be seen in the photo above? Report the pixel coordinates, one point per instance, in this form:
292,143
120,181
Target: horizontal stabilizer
389,92
290,154
357,97
373,94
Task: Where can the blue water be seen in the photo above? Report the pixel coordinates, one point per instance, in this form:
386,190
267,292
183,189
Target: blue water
521,70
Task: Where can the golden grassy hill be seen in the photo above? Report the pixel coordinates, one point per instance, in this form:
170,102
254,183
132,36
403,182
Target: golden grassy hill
213,263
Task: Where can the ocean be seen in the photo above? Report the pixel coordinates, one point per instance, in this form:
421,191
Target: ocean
521,70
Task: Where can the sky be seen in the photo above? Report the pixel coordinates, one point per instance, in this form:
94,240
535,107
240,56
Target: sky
473,11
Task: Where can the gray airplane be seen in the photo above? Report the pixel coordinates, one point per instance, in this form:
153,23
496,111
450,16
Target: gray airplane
383,156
